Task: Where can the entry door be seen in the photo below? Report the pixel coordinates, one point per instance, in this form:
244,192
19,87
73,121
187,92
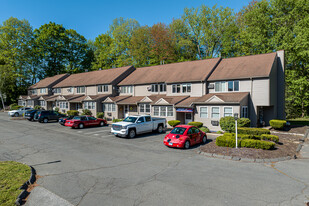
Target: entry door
188,117
126,110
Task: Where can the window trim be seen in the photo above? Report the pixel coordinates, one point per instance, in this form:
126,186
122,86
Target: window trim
80,91
242,113
103,87
166,111
212,112
224,111
206,112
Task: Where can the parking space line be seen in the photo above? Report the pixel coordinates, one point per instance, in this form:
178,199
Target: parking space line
100,131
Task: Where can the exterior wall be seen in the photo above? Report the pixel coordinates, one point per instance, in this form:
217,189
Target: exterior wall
91,90
207,121
141,90
39,92
110,90
64,91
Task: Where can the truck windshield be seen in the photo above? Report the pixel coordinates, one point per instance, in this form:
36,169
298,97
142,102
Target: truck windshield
178,130
130,119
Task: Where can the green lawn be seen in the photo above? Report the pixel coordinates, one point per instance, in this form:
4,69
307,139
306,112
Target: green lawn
12,176
299,121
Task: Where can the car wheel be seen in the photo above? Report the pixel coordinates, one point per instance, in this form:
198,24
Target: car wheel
16,114
132,133
187,145
204,139
81,126
101,124
45,120
29,120
160,129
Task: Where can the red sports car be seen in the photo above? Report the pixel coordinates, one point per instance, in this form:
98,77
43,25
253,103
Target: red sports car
85,121
184,136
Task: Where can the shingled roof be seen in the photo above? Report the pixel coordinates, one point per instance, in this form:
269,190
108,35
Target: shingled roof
49,81
94,78
189,71
231,97
244,67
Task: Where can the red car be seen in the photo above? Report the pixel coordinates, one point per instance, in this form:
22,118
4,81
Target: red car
84,121
184,136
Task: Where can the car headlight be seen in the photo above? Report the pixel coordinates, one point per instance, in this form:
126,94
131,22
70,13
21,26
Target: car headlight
124,127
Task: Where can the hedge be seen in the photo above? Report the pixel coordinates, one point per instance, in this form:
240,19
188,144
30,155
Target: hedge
73,112
244,140
227,124
100,115
204,129
258,144
117,120
269,137
14,106
253,131
173,123
277,124
197,124
37,107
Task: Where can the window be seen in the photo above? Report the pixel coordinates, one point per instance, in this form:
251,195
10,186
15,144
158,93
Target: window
186,88
220,86
176,88
163,111
228,111
63,105
204,112
30,102
80,90
244,111
154,88
43,90
126,89
233,85
148,118
144,108
102,88
110,107
89,105
42,103
162,87
34,91
236,85
57,90
91,118
215,112
141,119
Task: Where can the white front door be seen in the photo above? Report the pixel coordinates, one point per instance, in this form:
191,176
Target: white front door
188,117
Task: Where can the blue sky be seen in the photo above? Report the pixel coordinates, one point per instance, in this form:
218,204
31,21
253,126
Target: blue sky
91,18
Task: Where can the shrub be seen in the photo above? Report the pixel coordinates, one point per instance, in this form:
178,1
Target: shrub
253,131
227,124
73,112
277,124
86,112
56,109
117,120
14,106
173,123
258,144
37,107
269,137
197,124
204,129
243,122
100,115
219,132
226,141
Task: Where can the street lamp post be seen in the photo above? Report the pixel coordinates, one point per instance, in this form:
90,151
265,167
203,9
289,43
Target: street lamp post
236,117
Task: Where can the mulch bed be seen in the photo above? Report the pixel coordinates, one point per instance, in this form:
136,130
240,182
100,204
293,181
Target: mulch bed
286,147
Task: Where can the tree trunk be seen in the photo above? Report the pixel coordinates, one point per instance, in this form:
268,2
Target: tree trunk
2,101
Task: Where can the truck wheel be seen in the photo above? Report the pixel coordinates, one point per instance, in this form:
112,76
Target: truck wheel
16,114
187,145
160,129
132,133
45,120
81,126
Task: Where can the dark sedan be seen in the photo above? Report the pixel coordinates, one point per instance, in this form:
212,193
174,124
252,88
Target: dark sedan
29,115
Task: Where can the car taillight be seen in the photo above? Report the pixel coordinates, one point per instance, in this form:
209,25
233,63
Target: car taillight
39,115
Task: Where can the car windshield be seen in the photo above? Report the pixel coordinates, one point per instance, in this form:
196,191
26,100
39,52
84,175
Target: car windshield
130,119
178,130
76,118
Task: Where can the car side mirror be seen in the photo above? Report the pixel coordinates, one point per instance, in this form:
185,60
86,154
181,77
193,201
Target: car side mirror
139,121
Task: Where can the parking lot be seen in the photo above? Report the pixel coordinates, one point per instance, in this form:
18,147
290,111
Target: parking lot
93,167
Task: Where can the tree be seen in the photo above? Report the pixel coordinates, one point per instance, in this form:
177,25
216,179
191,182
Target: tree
104,59
162,48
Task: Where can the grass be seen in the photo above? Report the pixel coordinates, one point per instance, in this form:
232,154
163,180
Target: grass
299,121
12,176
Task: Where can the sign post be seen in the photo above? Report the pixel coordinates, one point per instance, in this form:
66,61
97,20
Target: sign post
236,117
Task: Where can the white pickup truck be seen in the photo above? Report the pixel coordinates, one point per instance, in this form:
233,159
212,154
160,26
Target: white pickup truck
133,125
18,112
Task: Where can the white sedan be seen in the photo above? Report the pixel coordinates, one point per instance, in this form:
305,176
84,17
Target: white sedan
19,112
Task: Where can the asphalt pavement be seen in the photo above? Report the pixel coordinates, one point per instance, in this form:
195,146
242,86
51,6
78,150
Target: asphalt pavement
93,167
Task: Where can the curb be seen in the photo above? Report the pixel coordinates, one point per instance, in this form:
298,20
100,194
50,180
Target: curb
24,193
